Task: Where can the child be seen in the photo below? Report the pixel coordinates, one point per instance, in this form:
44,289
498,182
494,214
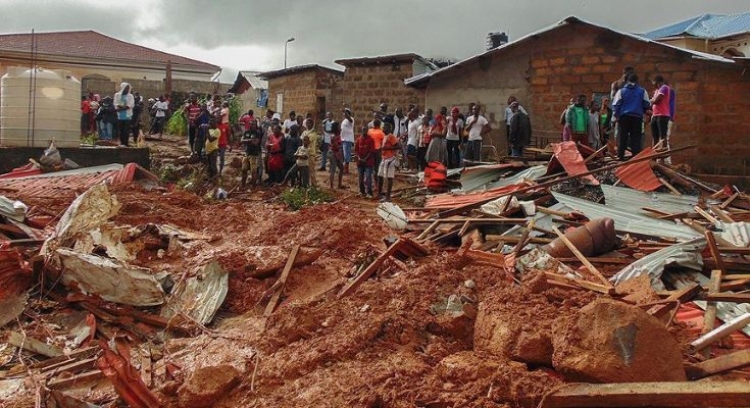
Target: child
212,147
203,121
336,154
303,162
387,168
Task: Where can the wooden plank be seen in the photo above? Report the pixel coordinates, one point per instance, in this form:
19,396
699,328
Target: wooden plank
428,230
369,271
709,318
671,188
607,290
729,200
282,280
63,359
719,365
683,295
76,379
702,230
524,237
734,285
656,394
72,367
604,260
580,257
33,345
146,367
728,297
721,214
710,218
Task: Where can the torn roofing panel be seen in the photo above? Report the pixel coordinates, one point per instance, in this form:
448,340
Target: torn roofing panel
458,200
687,255
473,178
570,158
629,221
532,173
639,175
634,201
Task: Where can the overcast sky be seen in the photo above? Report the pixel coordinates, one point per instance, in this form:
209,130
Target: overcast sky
250,34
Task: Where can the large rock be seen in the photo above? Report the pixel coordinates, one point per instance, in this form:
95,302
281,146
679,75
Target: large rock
609,341
206,385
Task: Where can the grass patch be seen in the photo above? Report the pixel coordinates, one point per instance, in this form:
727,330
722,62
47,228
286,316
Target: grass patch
297,198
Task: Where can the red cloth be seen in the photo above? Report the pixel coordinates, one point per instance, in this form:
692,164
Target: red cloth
193,110
247,120
224,137
85,107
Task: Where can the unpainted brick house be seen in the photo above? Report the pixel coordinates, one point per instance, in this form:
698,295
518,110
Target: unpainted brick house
370,81
544,69
303,89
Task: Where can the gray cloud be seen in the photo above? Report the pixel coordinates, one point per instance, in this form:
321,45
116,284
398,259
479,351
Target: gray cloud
326,30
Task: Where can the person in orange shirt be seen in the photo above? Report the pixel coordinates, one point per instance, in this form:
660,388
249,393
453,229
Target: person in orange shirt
387,168
377,135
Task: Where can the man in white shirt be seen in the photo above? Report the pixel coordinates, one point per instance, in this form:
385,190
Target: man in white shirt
329,126
412,139
509,116
160,116
347,137
477,126
289,122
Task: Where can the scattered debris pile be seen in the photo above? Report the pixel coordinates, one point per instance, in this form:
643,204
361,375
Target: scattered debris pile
534,284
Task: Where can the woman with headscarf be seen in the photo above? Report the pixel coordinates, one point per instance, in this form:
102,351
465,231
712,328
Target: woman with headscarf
436,150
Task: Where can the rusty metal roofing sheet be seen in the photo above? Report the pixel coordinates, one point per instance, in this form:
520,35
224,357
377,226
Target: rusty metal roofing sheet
628,220
639,175
633,200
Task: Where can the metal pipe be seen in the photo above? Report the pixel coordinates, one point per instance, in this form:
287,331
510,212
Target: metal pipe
719,333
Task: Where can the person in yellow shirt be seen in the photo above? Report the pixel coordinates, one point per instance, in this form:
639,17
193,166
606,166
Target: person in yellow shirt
212,147
315,142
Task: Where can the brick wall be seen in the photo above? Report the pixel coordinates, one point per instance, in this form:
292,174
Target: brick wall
305,92
544,72
364,88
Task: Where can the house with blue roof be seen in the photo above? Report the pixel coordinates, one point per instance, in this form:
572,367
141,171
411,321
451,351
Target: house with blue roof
725,35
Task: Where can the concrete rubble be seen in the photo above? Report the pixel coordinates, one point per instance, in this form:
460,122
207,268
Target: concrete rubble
534,283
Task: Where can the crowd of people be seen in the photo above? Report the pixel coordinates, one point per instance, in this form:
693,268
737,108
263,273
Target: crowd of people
288,151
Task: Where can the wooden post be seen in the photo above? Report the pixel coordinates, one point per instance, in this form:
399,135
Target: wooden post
282,280
654,394
580,257
719,365
711,240
354,284
709,318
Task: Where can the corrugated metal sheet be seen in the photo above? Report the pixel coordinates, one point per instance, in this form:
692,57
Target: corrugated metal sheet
532,173
639,175
687,255
737,233
724,310
628,220
706,26
475,177
632,200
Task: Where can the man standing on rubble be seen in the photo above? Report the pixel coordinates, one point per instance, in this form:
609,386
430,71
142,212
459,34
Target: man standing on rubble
314,147
124,103
477,126
328,128
661,107
508,116
192,111
347,137
577,121
251,139
630,103
365,149
520,130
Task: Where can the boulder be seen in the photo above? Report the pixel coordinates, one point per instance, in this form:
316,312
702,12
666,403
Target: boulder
610,342
207,384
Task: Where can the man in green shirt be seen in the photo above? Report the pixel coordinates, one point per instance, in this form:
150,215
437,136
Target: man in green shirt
577,121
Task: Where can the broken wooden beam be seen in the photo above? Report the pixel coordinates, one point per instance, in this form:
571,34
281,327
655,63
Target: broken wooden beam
683,295
719,365
709,318
713,248
583,284
654,394
728,297
301,260
370,270
282,280
33,345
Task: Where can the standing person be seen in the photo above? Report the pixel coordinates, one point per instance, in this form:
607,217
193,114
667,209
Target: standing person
616,86
566,136
347,136
520,130
365,150
508,116
477,126
107,117
336,155
288,122
400,126
124,103
85,114
630,103
251,139
328,130
191,111
577,121
424,142
292,142
386,117
212,147
160,109
94,104
662,111
387,168
224,128
275,148
605,126
377,135
303,162
135,122
314,147
203,122
413,138
247,119
437,150
453,138
594,136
